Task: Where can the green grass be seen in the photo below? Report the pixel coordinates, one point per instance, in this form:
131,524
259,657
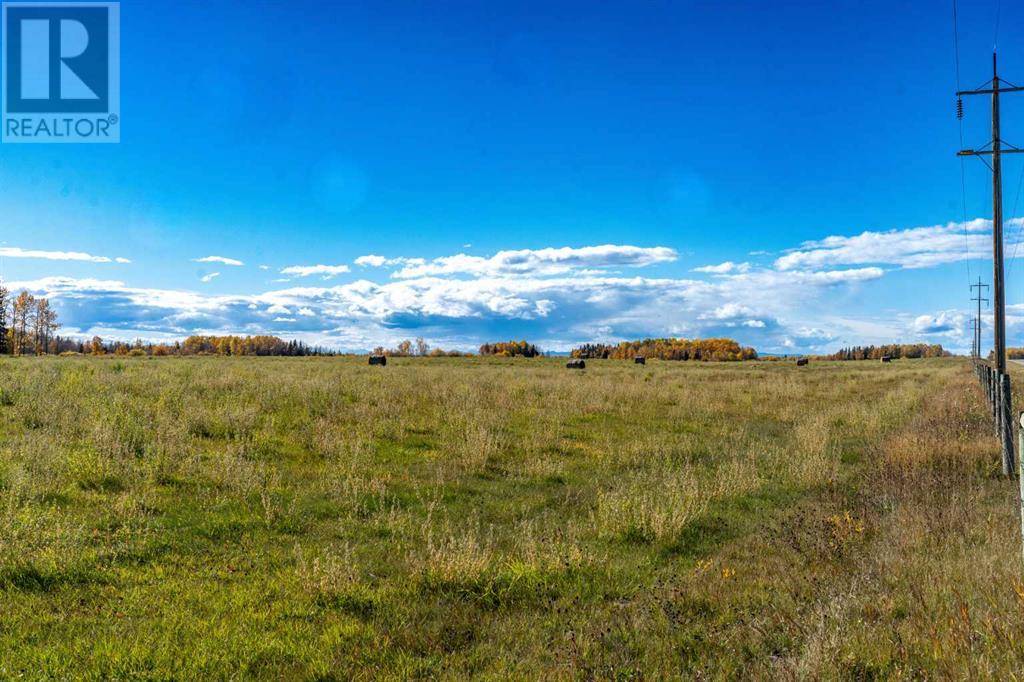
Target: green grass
210,518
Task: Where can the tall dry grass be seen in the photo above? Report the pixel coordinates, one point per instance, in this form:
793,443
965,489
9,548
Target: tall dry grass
457,517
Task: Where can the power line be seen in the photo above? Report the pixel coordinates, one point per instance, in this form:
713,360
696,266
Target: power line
956,45
1020,179
963,204
1013,215
960,122
995,36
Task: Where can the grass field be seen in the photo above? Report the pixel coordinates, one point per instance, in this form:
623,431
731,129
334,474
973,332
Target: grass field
210,518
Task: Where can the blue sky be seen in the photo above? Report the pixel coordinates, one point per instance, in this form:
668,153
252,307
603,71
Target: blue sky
564,172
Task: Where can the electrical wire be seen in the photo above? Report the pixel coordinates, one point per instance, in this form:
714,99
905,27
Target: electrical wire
960,121
1020,227
995,35
1020,179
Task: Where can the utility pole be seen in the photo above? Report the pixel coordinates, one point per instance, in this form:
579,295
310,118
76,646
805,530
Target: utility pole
998,292
1004,420
977,318
996,151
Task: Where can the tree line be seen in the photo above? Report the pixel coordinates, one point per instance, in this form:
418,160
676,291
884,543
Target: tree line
705,350
510,349
27,324
893,350
193,345
417,348
245,345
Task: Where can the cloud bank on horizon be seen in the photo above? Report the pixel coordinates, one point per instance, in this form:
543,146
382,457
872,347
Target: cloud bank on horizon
556,297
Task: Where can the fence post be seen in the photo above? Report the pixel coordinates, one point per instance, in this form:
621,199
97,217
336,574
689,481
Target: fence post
993,379
991,395
997,411
1020,448
1006,422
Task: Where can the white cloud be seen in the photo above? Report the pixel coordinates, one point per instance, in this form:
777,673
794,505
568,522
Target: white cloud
264,267
15,252
371,261
916,247
218,259
727,312
328,271
540,262
724,268
945,323
209,278
753,306
374,261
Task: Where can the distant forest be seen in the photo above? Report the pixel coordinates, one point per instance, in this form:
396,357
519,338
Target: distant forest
28,326
706,350
893,350
510,349
193,345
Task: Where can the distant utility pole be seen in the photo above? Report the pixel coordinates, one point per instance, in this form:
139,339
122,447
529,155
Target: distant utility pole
977,318
995,150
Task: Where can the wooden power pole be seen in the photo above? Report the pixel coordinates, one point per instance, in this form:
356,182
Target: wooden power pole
977,318
998,291
1004,423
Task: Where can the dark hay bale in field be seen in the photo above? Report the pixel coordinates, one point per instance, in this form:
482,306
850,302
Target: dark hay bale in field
378,360
640,360
576,364
801,362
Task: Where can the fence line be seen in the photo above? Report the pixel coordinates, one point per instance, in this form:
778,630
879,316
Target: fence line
997,390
